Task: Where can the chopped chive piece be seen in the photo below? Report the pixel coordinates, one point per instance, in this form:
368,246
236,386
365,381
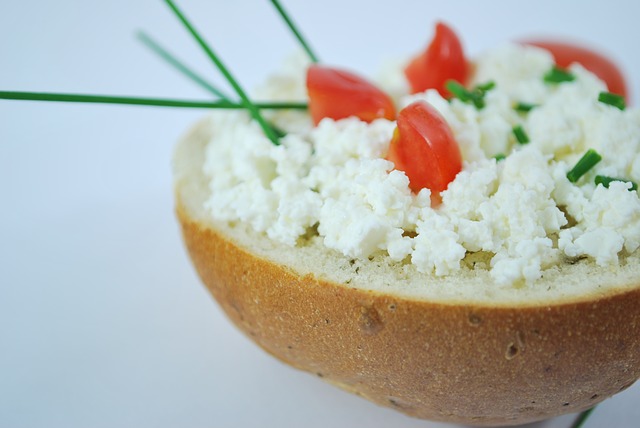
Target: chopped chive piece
520,134
605,181
524,107
457,90
558,75
474,96
586,162
178,65
499,157
582,418
157,102
612,99
295,31
253,110
484,87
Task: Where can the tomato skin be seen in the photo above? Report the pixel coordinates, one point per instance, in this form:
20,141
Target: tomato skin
565,54
338,94
423,146
442,60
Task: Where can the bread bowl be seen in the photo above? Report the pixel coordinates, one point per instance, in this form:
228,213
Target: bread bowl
442,347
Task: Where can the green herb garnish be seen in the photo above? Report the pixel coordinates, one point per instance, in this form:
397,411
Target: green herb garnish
612,99
157,102
524,107
272,132
606,181
182,68
558,75
295,31
474,96
458,91
253,110
484,87
586,162
520,134
178,65
499,157
582,418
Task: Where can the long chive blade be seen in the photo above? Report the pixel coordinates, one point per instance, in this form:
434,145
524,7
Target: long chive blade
295,31
156,48
155,102
586,162
182,68
582,418
255,113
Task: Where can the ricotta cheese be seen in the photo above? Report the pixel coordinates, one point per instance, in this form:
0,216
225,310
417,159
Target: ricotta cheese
521,213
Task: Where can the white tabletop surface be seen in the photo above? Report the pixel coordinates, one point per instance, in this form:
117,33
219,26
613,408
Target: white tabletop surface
103,322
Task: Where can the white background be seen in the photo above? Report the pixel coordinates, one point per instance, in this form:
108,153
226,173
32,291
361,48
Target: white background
103,322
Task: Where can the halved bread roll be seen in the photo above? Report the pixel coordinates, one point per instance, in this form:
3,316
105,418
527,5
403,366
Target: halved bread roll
442,349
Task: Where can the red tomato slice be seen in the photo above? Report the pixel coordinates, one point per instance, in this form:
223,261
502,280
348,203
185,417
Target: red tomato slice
339,94
442,60
565,54
423,146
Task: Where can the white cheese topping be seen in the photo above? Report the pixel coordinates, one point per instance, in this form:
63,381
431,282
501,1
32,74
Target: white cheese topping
522,213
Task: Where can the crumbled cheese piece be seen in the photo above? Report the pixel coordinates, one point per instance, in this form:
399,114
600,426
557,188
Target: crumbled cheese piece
506,209
610,221
258,183
366,206
437,246
517,71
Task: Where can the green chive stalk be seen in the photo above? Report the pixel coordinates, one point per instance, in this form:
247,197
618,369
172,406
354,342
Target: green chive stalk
582,418
155,102
474,96
586,162
612,100
606,181
295,31
524,107
156,48
558,75
520,134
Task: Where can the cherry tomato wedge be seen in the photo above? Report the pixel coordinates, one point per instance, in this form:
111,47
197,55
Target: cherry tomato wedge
423,146
442,60
339,94
565,54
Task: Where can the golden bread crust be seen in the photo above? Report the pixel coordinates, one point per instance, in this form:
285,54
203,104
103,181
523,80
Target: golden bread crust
472,364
